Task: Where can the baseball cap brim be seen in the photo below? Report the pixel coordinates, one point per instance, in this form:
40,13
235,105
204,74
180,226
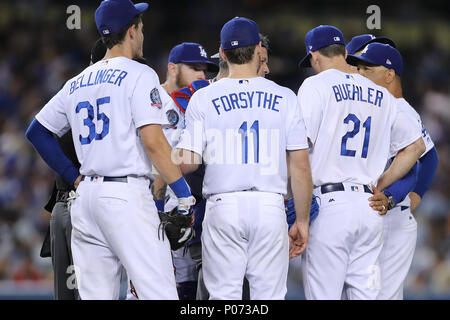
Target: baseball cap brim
305,63
141,7
384,40
355,60
210,66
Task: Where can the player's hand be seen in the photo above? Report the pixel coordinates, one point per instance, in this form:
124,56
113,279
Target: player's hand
298,238
378,201
415,200
185,205
77,182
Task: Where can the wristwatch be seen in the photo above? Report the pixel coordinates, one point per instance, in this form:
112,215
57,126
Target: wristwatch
391,202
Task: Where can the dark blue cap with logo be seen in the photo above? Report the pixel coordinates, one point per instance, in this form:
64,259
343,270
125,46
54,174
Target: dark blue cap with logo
359,42
191,52
238,33
379,54
112,15
318,38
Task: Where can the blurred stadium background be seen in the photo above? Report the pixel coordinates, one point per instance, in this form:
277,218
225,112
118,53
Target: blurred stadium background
38,54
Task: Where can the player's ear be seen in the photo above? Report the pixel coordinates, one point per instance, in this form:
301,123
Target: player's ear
222,54
172,69
131,32
390,75
345,54
314,57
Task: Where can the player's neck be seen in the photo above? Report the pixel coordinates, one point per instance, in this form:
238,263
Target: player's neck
239,71
395,88
169,86
337,63
119,51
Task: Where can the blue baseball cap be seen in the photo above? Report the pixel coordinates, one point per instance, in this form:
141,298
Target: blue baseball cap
191,52
318,38
113,15
379,54
238,33
359,42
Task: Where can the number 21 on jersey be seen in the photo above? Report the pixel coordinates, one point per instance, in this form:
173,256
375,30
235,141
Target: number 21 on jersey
350,134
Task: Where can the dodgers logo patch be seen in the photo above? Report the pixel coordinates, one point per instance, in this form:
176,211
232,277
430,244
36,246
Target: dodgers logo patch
155,98
172,117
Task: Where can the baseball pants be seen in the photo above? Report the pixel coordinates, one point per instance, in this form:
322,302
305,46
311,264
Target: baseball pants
116,224
344,247
400,235
60,235
245,234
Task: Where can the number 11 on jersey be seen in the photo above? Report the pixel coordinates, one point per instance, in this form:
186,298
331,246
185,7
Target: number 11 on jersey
254,130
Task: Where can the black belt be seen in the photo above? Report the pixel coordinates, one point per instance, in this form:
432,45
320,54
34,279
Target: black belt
61,196
109,179
333,187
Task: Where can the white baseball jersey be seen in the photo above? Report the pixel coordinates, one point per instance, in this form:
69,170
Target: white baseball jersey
360,125
409,112
104,119
412,113
243,131
175,122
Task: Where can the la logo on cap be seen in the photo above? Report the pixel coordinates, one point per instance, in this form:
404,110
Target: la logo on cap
203,52
365,49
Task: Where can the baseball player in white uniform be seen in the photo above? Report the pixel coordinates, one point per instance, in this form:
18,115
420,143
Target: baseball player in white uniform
187,63
352,124
114,110
383,65
243,126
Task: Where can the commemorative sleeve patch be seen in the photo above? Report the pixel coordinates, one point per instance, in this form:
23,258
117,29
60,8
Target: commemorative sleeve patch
173,118
155,98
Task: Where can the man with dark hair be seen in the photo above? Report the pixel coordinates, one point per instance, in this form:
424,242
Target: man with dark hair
244,230
263,69
383,65
352,125
118,37
114,110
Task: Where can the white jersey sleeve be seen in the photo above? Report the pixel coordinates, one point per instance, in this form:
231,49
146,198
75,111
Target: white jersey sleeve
296,130
193,136
402,103
405,129
53,116
311,104
175,123
147,100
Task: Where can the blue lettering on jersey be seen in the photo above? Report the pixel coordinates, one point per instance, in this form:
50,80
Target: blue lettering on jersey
348,91
244,100
112,76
